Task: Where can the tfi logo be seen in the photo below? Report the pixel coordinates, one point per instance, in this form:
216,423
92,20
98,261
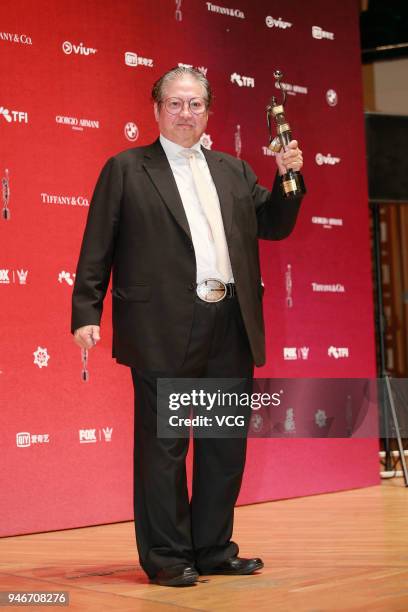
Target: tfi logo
13,116
338,352
87,436
242,81
80,49
67,277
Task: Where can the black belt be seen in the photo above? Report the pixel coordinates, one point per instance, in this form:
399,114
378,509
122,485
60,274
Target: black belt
231,291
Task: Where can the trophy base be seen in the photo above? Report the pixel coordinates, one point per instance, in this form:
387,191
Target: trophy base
293,185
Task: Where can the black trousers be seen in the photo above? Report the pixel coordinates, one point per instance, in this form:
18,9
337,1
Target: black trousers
170,528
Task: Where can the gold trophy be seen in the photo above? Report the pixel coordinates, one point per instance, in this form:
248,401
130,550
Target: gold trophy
5,184
292,182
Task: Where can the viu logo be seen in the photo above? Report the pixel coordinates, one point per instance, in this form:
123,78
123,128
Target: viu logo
80,49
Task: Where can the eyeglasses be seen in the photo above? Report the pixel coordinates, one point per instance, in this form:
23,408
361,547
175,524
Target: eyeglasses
197,106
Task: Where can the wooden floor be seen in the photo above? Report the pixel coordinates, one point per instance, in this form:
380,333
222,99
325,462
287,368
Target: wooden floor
341,551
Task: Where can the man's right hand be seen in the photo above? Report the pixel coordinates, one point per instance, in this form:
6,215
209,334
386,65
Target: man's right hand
87,336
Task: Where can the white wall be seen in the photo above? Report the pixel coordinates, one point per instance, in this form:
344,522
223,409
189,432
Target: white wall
385,86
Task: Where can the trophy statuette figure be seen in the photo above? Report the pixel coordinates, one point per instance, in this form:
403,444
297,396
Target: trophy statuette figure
5,184
292,181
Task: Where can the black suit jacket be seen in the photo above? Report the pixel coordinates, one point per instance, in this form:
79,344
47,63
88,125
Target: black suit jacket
137,228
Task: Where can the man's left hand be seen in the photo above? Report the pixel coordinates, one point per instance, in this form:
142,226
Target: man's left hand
291,158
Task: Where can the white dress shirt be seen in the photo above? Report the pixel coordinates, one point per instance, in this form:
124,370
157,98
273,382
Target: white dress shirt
197,221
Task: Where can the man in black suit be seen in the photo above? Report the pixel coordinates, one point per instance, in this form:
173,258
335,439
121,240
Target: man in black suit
178,226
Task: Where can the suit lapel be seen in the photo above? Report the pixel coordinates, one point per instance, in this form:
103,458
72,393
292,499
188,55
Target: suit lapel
158,168
222,184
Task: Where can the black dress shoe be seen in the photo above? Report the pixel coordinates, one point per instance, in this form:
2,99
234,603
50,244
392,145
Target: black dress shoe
236,566
176,575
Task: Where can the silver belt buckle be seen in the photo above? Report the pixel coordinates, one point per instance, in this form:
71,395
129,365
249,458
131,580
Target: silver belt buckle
211,290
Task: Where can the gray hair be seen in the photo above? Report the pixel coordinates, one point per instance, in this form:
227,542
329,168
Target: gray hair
178,72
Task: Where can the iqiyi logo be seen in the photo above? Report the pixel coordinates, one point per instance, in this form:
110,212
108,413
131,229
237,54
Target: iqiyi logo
69,48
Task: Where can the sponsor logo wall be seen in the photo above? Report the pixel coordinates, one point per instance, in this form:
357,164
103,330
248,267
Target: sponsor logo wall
70,101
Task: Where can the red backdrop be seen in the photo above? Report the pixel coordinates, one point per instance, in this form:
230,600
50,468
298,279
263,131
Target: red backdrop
69,99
